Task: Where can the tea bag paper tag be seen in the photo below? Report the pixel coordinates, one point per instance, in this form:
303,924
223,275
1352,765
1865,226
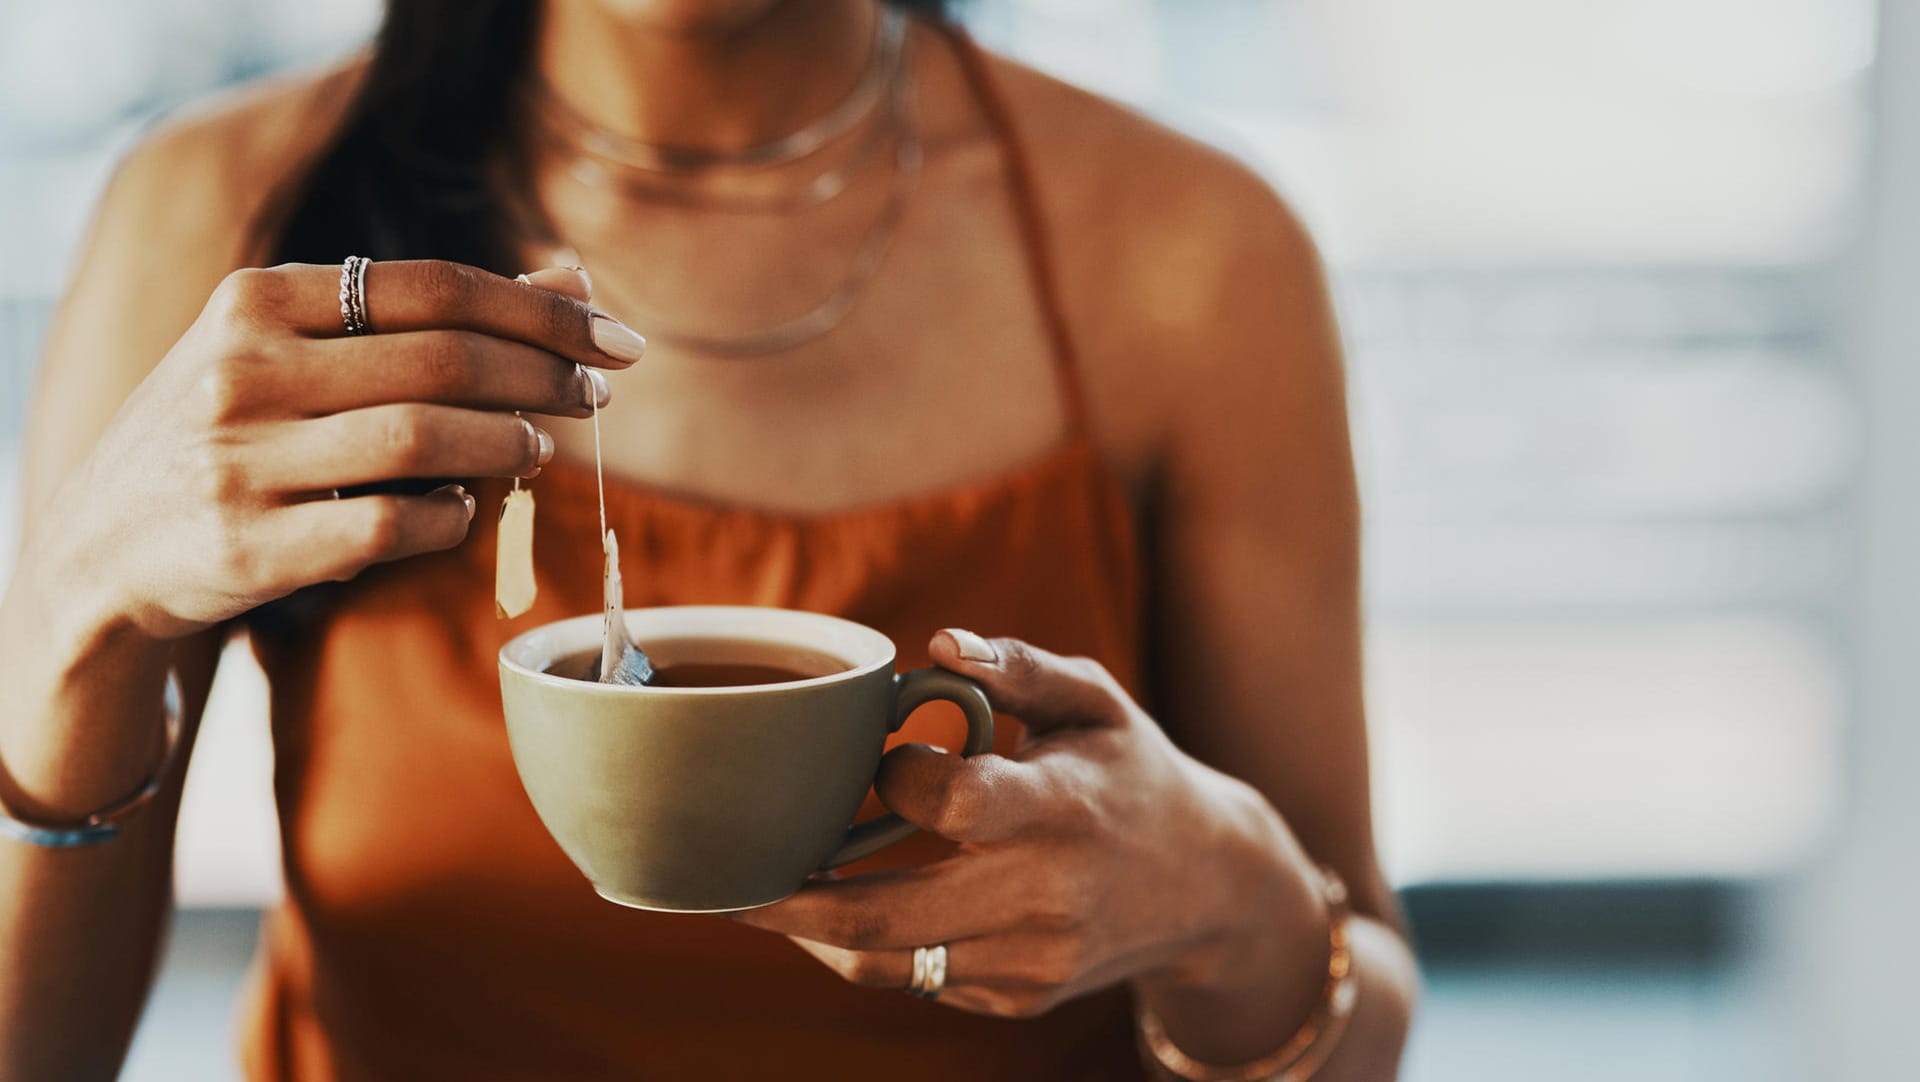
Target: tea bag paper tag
513,585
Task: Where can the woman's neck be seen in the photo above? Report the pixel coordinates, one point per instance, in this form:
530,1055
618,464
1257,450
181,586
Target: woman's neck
718,88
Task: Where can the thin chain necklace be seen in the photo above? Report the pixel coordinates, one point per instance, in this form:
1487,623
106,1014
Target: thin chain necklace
594,172
832,311
889,37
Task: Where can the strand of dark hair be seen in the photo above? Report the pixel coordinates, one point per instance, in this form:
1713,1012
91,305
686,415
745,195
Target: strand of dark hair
406,175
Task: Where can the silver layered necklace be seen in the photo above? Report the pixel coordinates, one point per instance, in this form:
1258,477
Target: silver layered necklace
605,159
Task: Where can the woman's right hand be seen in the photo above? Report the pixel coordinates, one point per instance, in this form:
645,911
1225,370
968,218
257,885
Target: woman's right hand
212,490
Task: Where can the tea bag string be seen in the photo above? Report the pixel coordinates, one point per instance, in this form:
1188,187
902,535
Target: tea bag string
516,477
599,475
621,662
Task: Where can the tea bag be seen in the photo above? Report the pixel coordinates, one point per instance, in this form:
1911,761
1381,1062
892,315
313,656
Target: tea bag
620,662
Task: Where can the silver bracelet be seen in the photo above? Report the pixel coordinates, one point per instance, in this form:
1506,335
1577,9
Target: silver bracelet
104,824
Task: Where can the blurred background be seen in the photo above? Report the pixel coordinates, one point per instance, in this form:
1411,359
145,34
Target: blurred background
1625,288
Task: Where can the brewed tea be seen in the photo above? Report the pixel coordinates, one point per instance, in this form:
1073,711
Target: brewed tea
716,663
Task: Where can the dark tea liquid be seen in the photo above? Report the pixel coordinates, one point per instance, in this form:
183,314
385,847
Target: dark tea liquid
716,663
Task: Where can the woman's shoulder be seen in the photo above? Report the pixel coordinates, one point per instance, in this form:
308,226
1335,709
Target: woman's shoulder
253,130
1171,251
180,210
191,190
1095,145
176,217
215,162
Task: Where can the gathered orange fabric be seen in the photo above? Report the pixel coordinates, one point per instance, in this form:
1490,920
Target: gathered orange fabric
432,929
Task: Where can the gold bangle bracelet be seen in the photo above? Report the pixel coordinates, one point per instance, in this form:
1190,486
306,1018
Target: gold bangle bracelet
1310,1046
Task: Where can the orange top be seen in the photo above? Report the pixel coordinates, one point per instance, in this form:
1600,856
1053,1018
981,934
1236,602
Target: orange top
432,929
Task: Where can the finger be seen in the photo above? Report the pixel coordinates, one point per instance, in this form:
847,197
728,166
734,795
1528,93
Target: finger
1010,976
337,539
431,294
982,799
455,368
893,969
384,443
572,281
898,907
1042,689
868,969
993,1002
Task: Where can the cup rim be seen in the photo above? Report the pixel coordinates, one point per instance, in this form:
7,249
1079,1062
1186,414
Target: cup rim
535,645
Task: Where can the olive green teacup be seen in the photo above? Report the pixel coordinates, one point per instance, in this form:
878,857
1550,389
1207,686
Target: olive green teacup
702,799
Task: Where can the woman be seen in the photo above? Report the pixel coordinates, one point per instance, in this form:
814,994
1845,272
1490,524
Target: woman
939,344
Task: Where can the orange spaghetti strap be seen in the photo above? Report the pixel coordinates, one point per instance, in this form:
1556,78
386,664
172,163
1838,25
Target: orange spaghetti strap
1026,209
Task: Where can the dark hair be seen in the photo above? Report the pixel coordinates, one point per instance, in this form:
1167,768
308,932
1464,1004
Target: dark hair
405,177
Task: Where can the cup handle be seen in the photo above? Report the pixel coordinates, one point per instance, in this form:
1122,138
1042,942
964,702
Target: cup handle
910,693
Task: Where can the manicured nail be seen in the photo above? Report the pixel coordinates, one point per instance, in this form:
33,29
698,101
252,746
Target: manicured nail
970,646
546,445
569,280
466,498
617,340
598,393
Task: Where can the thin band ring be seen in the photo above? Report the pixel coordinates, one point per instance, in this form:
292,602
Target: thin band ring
360,294
929,972
353,295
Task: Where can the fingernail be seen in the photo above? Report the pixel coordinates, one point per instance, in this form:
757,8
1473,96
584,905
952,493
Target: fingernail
569,280
466,498
546,445
970,646
617,340
598,393
936,748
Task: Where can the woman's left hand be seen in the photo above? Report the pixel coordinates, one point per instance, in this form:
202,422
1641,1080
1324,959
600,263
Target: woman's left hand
1098,853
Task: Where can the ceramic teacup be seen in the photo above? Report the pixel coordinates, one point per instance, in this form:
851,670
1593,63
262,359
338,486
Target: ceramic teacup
706,799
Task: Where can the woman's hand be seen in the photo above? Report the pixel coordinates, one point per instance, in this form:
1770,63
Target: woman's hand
212,490
1098,853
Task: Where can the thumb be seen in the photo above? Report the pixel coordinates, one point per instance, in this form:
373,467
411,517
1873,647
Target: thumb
1042,689
570,281
985,798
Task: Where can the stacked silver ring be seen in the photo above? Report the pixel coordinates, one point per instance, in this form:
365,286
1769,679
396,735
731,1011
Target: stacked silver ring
929,971
353,295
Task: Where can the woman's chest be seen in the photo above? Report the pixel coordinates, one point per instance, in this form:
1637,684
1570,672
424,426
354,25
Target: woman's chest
942,370
861,430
